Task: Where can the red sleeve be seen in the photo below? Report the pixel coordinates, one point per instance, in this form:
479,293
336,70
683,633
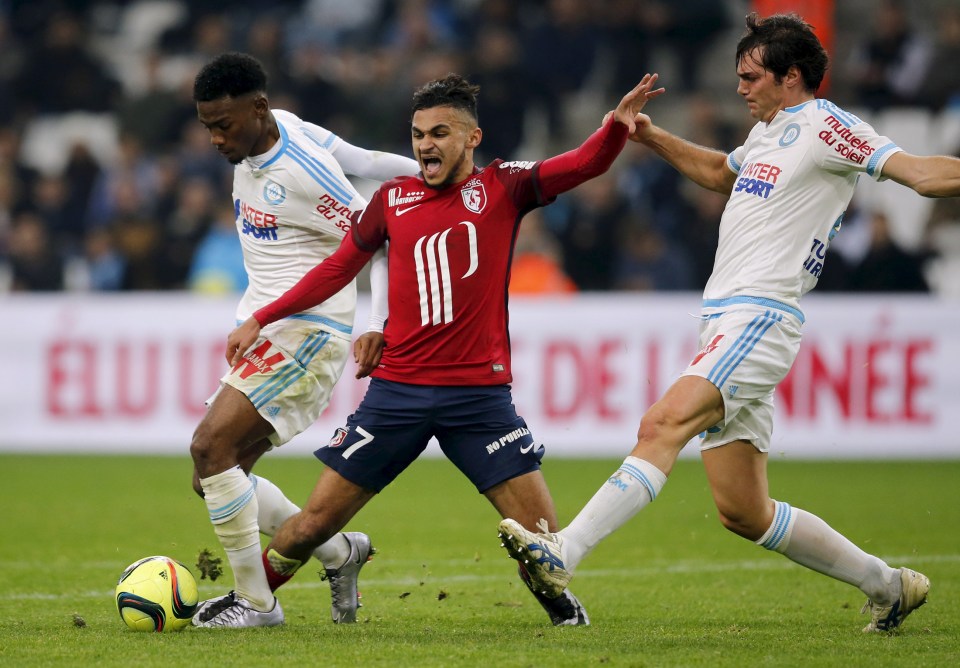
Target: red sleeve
318,284
568,170
369,229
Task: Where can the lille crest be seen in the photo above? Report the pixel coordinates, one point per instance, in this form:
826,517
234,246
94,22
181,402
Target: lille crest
474,196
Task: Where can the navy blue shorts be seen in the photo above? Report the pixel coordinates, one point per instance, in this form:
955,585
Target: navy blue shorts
477,428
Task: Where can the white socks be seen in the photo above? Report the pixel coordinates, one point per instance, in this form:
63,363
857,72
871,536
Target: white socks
808,540
275,508
634,485
798,535
233,509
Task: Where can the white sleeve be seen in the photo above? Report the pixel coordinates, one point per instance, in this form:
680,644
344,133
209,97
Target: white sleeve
845,144
373,165
379,308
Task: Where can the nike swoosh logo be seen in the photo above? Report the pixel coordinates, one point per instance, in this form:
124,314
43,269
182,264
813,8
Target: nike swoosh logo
524,449
400,211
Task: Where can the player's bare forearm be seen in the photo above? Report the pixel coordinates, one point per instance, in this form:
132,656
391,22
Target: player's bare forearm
704,166
930,176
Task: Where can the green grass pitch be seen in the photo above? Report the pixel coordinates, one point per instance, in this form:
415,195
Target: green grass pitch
671,588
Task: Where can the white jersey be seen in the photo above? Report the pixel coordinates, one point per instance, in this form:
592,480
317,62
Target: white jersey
796,177
293,206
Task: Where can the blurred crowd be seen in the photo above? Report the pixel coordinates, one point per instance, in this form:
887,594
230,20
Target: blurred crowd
108,181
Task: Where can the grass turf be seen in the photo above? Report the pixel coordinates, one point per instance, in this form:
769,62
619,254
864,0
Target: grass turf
671,588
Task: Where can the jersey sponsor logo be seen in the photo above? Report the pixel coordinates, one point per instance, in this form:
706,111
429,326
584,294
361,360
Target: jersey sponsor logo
757,178
707,349
510,437
257,361
274,193
517,165
255,223
754,187
790,134
844,142
396,197
332,210
474,195
433,273
814,261
400,211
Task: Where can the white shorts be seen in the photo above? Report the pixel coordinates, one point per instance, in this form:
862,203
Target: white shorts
289,374
745,351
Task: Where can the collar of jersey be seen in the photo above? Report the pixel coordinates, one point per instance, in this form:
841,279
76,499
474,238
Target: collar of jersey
797,107
284,142
789,110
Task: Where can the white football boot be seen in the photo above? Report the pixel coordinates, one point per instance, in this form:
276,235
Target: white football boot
232,611
540,554
913,593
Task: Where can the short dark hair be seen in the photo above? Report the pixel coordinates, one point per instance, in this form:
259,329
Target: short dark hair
229,75
787,40
450,91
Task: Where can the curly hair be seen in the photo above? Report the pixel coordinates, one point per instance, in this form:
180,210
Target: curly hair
450,91
229,75
786,40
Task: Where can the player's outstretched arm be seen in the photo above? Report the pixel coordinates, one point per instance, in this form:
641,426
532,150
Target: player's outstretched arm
592,158
928,175
316,286
706,167
373,165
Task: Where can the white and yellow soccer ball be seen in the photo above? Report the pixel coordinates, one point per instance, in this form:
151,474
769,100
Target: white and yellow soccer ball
157,594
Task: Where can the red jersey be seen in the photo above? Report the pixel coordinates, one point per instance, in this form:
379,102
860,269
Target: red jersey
449,262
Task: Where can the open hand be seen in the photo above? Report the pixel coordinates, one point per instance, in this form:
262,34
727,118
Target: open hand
628,111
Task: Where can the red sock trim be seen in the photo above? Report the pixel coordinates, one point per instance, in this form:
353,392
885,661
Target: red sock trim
274,579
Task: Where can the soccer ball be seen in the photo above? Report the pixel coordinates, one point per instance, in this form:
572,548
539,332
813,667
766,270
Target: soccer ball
157,594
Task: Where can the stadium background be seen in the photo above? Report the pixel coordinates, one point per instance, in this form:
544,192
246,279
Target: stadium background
119,267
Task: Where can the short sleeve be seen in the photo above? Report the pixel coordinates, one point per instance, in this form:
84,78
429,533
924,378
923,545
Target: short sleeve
735,159
844,143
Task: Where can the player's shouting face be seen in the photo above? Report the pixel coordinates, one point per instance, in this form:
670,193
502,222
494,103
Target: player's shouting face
239,126
443,143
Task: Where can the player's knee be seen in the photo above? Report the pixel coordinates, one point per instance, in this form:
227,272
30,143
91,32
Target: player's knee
656,427
747,524
200,444
207,446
